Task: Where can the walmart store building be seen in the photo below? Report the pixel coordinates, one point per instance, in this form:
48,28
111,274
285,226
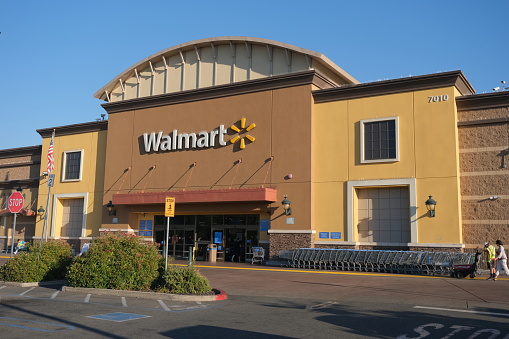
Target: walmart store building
230,127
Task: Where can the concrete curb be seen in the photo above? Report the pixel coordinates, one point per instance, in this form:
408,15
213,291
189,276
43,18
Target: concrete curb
218,294
34,284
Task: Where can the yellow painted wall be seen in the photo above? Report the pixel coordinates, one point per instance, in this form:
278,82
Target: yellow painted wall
93,145
329,165
428,152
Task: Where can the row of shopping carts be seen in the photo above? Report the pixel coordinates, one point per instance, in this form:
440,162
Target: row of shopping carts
385,261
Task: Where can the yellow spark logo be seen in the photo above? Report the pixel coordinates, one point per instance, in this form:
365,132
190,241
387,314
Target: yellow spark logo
239,130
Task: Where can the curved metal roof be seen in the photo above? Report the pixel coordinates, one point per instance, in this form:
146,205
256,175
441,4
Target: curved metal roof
215,61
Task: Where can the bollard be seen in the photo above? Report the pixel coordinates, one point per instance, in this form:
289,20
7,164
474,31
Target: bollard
190,257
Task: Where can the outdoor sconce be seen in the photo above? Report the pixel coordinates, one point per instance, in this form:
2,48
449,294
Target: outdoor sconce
40,212
286,205
111,210
430,205
19,189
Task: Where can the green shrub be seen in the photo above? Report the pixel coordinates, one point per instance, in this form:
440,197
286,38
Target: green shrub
183,280
38,264
116,261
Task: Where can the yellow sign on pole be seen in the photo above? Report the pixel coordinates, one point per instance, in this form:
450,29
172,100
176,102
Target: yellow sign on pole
169,208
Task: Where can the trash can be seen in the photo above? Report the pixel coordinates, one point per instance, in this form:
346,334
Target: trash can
212,252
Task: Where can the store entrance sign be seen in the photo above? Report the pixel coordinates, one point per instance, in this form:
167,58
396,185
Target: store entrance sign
156,142
169,207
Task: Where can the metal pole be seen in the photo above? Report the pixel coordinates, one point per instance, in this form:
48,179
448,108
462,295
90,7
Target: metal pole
166,245
44,234
13,231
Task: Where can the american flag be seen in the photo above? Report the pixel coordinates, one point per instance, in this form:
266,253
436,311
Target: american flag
51,160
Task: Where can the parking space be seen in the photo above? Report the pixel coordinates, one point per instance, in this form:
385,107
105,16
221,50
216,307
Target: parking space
55,294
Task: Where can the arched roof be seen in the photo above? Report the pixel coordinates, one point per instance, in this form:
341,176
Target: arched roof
216,61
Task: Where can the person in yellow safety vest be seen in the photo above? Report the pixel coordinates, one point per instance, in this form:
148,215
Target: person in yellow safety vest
490,259
19,245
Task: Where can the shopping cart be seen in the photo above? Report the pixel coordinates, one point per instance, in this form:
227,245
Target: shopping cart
258,255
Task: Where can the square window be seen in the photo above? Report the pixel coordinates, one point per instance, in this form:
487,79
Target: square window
379,140
72,165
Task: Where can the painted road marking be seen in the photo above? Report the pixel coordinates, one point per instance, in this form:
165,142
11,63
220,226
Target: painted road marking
425,330
27,291
54,295
324,305
163,305
463,311
2,287
172,308
124,302
119,316
321,272
60,327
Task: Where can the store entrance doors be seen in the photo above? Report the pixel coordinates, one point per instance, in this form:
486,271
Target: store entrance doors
235,244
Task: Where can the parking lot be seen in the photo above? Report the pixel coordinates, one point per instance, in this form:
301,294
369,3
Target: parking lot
271,302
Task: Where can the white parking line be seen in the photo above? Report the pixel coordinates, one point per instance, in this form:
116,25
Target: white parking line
2,287
87,298
463,311
54,295
124,302
163,305
27,291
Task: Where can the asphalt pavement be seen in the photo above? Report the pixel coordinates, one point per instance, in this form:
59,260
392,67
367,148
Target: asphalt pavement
270,302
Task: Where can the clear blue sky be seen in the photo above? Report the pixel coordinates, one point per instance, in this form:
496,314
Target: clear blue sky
54,55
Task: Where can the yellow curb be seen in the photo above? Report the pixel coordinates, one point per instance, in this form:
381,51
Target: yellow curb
337,272
317,272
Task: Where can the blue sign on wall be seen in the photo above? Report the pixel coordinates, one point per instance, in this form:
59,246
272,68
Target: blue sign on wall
218,237
148,226
142,225
335,235
264,225
324,235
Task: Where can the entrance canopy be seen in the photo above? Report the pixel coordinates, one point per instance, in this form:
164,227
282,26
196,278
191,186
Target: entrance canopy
201,196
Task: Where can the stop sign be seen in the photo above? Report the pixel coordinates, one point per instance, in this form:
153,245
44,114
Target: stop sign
16,202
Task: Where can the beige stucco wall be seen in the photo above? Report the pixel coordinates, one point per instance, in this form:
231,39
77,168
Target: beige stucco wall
428,153
90,187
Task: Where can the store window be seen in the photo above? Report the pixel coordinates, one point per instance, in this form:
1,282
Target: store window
72,165
379,140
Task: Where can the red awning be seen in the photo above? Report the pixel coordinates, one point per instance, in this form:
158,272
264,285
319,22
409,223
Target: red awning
204,196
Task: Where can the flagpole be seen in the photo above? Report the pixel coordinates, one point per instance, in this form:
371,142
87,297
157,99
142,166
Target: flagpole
51,165
45,226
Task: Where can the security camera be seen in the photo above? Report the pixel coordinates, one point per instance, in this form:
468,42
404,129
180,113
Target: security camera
496,89
44,173
502,82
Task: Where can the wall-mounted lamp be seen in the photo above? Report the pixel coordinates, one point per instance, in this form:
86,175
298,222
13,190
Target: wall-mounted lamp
40,212
144,214
430,205
111,209
286,205
19,189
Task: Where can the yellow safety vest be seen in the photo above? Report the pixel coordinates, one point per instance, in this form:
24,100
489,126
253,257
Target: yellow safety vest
490,253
